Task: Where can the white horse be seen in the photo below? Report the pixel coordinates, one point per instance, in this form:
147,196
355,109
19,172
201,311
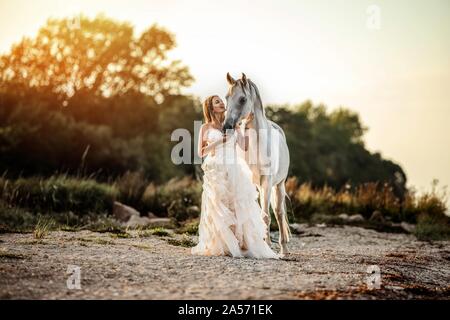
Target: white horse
267,142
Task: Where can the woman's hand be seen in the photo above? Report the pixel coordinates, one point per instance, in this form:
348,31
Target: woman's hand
244,123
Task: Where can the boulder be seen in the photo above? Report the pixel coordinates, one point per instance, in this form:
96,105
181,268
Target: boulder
321,225
146,222
408,227
377,216
405,226
193,211
123,213
296,228
151,215
343,216
161,222
356,218
136,221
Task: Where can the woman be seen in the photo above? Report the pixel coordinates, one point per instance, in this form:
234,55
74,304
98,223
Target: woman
231,221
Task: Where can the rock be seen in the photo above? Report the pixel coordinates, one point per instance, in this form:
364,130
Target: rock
161,222
193,210
405,226
151,215
343,216
296,228
408,227
321,225
136,221
394,288
123,213
356,218
377,216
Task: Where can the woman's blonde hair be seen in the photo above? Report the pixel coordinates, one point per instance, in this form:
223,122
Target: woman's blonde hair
208,111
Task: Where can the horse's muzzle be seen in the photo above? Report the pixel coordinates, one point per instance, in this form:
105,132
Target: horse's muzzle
227,126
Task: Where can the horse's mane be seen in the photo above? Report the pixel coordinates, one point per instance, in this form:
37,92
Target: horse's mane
253,86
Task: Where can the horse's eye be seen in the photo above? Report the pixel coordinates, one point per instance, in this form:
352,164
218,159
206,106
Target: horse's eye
242,100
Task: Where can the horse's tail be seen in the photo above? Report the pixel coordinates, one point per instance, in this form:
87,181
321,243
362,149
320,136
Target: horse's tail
286,218
290,205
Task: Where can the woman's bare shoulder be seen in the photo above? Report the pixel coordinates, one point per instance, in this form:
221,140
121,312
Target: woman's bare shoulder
205,127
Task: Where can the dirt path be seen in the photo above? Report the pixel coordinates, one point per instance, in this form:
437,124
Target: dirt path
326,263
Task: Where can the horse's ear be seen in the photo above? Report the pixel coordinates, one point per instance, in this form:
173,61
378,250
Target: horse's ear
244,79
230,79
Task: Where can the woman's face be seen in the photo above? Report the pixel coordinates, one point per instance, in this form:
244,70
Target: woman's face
218,105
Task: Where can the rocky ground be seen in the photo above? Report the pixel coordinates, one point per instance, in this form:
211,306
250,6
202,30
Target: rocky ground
325,263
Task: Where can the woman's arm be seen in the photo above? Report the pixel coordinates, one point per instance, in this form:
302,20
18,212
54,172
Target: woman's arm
211,147
203,147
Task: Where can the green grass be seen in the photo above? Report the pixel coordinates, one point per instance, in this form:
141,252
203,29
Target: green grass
58,193
121,235
16,220
184,242
76,204
430,228
190,228
160,232
22,220
102,224
156,231
179,198
97,241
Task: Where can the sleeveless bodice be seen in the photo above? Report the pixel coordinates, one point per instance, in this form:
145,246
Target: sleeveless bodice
213,135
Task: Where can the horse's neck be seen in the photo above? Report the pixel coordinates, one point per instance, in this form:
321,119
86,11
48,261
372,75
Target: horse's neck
259,121
257,148
261,126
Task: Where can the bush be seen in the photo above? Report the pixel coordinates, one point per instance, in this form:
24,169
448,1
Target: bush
131,187
58,194
13,219
365,199
179,198
431,227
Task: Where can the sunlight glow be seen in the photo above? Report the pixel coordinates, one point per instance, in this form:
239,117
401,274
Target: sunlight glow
397,76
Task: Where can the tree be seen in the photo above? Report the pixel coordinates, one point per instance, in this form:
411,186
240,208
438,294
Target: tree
88,94
100,55
328,148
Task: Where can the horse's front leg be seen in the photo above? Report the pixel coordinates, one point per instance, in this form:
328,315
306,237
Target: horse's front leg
265,204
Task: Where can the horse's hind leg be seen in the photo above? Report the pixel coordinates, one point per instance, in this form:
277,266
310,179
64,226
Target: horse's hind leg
265,191
278,201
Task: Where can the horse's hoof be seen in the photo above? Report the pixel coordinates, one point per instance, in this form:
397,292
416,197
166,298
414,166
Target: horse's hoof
284,251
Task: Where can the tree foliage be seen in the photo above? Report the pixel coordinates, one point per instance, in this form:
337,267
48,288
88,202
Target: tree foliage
327,148
87,94
99,55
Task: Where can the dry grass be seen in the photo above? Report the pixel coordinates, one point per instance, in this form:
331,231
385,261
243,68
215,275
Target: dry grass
10,255
43,227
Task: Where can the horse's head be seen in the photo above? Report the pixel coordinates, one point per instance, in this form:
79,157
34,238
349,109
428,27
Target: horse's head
240,100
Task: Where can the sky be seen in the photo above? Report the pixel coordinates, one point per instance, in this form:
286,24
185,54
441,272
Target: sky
387,60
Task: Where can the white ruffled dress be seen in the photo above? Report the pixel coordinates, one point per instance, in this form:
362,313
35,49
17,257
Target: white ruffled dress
231,221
